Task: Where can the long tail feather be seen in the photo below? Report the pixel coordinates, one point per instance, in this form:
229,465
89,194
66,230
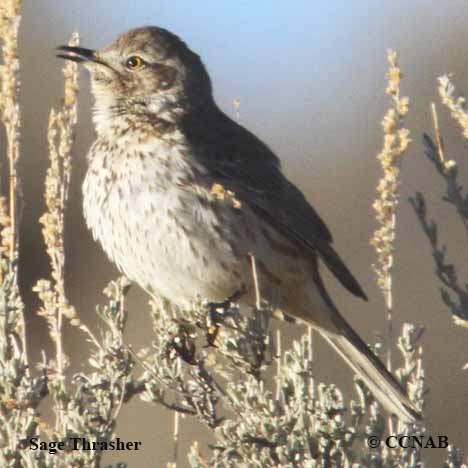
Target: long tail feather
370,369
320,312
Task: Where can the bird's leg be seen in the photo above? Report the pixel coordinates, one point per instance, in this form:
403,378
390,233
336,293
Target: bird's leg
183,344
216,310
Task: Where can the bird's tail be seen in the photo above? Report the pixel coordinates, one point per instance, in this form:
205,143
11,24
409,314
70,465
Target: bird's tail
370,369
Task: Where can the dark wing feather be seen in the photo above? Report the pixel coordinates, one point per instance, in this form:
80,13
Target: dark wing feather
246,166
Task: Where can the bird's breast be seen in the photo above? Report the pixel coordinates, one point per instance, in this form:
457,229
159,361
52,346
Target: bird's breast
162,223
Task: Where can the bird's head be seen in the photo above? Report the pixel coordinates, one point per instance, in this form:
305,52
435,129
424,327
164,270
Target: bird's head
145,72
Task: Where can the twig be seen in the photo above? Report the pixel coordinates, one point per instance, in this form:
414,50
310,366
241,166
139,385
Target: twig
176,438
258,299
278,364
438,136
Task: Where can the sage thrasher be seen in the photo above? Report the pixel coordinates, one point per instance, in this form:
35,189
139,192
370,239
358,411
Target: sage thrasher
181,198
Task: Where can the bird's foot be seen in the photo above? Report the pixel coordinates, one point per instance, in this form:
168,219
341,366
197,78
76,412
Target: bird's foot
216,311
183,344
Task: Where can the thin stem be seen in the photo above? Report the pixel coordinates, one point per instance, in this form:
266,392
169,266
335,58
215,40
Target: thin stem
389,298
310,353
278,364
12,158
438,135
258,299
59,360
176,438
88,332
310,356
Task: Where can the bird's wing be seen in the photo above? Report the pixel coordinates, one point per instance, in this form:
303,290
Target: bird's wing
248,168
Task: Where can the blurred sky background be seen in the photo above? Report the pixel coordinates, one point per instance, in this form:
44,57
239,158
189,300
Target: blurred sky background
310,78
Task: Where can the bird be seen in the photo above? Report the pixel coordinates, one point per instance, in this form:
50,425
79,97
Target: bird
182,199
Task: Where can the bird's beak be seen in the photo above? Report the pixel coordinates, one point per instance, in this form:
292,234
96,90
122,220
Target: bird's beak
77,54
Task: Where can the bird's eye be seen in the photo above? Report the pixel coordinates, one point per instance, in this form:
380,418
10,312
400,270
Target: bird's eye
135,63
